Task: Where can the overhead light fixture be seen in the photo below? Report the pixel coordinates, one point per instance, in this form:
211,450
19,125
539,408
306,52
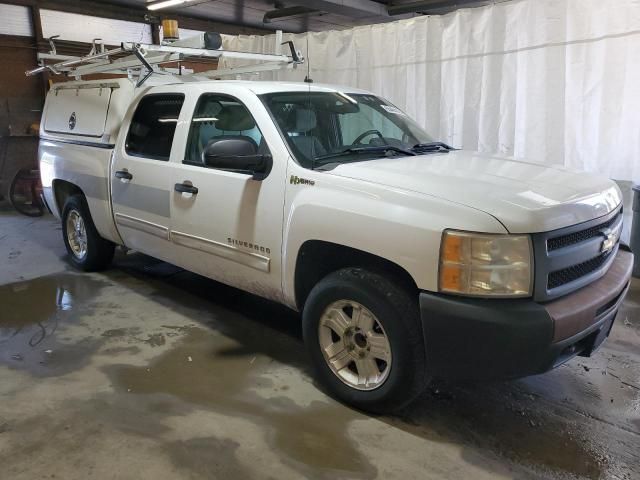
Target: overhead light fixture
166,4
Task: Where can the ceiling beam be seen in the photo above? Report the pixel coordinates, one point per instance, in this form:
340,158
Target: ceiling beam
427,6
288,13
349,8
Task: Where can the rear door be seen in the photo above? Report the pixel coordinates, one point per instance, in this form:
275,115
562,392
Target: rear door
141,177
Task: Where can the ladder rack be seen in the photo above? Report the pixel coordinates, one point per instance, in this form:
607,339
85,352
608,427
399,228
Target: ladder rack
141,61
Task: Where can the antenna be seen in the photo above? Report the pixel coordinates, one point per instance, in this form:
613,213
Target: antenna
308,79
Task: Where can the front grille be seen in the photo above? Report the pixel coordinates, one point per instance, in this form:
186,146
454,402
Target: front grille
570,258
577,237
568,275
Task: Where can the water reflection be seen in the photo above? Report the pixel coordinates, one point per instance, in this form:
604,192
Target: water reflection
31,313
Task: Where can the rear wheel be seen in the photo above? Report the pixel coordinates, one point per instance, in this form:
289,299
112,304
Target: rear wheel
87,250
365,340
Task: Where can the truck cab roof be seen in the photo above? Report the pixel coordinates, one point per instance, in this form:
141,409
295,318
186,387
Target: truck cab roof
260,87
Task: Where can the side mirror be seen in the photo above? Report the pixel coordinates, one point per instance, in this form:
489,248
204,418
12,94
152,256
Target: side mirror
237,155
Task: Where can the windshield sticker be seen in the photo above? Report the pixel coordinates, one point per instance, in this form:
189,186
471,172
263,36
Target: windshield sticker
391,109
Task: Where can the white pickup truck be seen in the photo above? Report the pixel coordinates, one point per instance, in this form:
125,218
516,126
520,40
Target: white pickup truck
408,259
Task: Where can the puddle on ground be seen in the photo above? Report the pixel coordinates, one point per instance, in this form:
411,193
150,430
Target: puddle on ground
206,369
188,455
31,314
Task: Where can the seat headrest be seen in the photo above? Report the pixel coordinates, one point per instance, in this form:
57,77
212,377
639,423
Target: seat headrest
209,109
235,118
139,129
305,120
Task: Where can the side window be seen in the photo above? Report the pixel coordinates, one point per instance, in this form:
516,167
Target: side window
153,126
219,117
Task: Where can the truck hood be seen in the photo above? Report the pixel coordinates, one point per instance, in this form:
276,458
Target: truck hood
525,197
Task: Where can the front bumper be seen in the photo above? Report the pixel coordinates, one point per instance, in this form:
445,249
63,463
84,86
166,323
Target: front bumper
498,338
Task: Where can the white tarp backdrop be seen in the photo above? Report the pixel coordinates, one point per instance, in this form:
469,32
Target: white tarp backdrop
553,81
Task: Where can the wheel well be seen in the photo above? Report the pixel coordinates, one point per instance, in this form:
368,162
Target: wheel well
317,258
63,190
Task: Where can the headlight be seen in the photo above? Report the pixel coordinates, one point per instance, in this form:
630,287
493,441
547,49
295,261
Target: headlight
485,265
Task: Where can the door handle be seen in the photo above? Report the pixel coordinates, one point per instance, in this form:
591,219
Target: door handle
185,188
123,175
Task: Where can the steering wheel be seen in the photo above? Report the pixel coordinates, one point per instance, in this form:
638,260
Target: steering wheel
358,140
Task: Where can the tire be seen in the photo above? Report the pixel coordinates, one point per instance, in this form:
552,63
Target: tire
89,251
394,314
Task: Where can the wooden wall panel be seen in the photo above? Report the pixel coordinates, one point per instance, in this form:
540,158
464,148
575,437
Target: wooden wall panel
21,97
21,101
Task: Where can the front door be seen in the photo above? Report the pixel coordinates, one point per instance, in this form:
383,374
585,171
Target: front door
141,183
231,229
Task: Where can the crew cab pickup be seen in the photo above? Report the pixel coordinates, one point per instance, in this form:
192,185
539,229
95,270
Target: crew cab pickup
408,259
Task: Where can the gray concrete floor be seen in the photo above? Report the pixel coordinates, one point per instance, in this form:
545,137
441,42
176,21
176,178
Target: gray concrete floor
149,372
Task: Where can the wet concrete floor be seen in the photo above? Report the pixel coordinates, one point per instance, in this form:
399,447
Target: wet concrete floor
148,371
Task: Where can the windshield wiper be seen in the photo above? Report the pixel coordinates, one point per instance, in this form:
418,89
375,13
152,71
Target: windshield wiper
359,150
431,147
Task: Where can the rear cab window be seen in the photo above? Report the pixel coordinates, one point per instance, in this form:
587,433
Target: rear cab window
153,126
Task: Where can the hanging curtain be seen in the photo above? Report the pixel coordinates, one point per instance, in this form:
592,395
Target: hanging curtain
550,81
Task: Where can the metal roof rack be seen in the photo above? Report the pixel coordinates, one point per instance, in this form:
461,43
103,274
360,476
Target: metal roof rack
141,61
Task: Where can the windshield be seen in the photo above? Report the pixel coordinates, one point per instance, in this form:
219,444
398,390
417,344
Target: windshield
331,127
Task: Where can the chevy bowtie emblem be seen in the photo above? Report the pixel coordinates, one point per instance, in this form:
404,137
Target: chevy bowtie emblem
610,239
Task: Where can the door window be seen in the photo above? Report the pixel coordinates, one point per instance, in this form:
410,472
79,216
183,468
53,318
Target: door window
154,125
220,117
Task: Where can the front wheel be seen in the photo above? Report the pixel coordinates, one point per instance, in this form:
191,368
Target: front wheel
87,250
365,340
